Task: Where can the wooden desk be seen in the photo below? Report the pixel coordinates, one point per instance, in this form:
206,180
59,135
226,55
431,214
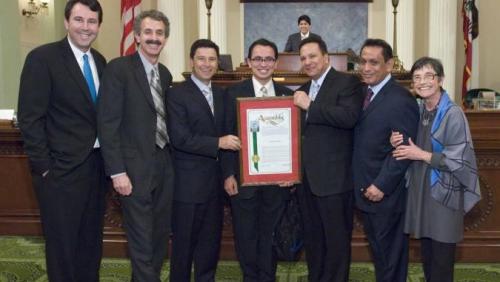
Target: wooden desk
19,213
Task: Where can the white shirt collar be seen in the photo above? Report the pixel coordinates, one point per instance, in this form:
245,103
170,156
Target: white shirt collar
147,65
77,52
257,86
320,80
202,86
378,87
302,36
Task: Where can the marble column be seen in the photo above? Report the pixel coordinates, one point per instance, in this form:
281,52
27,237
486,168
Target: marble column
173,54
443,39
405,30
218,22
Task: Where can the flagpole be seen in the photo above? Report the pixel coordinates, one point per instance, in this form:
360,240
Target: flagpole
208,4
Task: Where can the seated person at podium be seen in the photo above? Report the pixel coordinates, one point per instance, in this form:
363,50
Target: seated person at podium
293,42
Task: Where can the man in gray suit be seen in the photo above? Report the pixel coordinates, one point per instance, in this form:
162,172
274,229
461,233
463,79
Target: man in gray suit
293,42
135,144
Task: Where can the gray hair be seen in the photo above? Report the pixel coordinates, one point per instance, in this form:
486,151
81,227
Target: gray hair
152,14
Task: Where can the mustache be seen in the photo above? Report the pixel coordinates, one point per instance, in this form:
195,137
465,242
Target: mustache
151,41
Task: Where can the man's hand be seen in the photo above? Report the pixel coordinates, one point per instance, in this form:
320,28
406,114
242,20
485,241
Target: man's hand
301,100
231,186
229,142
396,139
122,184
373,194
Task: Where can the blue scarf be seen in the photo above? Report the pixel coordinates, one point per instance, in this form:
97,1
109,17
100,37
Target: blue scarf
444,105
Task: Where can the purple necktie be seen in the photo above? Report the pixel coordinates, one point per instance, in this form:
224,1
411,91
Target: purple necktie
368,98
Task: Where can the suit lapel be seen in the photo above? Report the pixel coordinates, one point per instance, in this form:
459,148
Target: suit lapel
98,63
248,90
142,79
198,97
377,100
329,79
74,70
218,105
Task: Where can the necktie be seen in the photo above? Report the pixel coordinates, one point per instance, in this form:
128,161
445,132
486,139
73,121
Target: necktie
87,73
210,98
314,91
161,125
368,98
263,91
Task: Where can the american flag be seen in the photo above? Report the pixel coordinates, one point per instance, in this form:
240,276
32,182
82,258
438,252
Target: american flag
130,9
471,31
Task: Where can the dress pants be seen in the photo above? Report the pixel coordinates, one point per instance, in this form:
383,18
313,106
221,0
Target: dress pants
147,219
389,245
72,205
254,221
328,223
438,260
197,230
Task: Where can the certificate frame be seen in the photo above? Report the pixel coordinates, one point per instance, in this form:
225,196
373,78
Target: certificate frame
289,155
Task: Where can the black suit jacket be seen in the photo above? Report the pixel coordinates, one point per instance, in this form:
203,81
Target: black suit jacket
392,109
230,158
293,42
127,119
56,114
327,133
194,133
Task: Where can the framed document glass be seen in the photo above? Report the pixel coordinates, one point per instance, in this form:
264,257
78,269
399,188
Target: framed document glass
269,129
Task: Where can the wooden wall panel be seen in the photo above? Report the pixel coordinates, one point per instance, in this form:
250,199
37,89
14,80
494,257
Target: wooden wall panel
19,212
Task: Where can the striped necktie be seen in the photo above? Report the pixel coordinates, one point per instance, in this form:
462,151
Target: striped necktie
314,91
368,98
158,99
263,91
210,98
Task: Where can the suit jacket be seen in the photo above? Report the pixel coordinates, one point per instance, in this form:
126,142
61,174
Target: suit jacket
327,133
293,42
194,133
230,159
57,116
127,119
392,109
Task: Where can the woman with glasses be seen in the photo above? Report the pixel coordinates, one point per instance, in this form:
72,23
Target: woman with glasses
442,181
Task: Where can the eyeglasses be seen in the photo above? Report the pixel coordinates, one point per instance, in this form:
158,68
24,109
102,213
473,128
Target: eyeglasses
267,60
426,78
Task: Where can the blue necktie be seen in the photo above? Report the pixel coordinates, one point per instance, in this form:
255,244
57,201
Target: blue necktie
87,72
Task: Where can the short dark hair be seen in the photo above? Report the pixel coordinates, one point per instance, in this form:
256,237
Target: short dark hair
304,18
203,43
262,42
435,64
319,41
375,42
154,15
93,5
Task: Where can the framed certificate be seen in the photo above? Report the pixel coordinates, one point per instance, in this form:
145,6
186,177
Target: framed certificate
269,129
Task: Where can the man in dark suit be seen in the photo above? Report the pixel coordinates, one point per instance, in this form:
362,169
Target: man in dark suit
378,178
331,103
57,118
255,209
135,144
196,126
293,42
